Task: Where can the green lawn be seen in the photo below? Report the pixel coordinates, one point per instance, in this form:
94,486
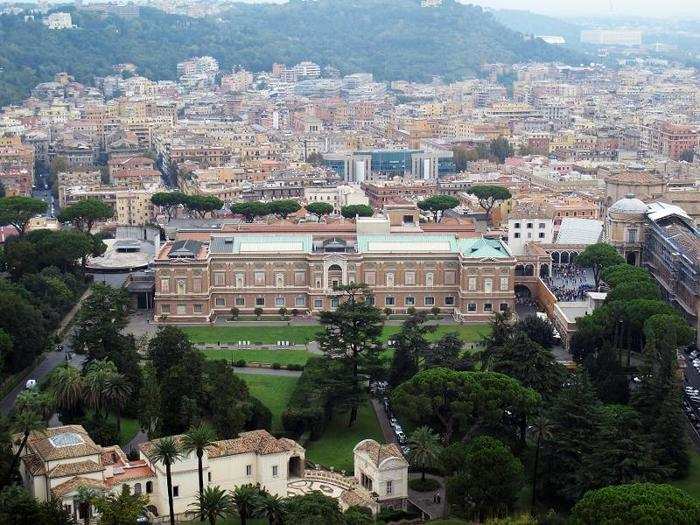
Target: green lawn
691,484
283,357
334,449
130,428
263,334
273,391
468,332
301,334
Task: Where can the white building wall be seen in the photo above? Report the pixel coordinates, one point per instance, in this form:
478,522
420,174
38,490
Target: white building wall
519,233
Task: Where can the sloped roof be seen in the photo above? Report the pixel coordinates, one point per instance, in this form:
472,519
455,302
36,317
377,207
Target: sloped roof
43,443
379,453
579,231
72,485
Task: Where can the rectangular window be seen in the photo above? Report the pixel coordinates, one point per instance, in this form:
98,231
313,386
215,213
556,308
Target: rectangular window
529,225
541,235
472,284
197,285
220,301
410,301
488,285
318,303
389,487
259,301
389,300
165,308
631,235
370,278
275,470
259,278
176,491
449,301
249,470
219,279
165,285
542,226
240,301
390,279
198,308
299,278
488,307
516,235
450,278
429,301
503,307
279,301
504,284
410,278
300,301
471,307
181,287
517,225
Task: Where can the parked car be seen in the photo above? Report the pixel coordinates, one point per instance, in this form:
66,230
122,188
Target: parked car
30,384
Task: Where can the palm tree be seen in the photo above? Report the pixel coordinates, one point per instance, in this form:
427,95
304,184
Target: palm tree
68,386
425,447
85,497
272,506
117,391
167,452
32,409
541,430
245,499
196,440
214,503
97,375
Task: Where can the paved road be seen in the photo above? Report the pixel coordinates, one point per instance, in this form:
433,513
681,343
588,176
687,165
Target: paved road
51,360
268,371
43,192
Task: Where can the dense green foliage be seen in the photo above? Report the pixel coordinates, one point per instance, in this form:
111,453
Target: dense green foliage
394,39
438,204
638,503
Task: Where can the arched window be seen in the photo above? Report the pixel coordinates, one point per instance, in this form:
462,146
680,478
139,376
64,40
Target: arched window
149,487
137,488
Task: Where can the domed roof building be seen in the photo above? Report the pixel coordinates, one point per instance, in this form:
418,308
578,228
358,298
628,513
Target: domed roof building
624,227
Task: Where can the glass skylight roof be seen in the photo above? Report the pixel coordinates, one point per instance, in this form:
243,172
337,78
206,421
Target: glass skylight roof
67,439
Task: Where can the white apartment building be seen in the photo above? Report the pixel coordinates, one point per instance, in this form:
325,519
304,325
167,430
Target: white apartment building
58,20
526,228
338,196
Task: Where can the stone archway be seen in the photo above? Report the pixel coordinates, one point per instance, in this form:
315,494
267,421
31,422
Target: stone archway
631,258
556,257
544,270
572,256
529,270
519,270
565,257
522,291
335,276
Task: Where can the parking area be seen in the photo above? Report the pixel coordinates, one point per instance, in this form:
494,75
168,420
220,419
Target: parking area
391,427
691,395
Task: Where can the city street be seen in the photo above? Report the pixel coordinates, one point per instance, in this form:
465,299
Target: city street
43,192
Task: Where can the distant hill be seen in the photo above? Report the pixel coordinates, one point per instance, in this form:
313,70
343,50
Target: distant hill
394,39
528,22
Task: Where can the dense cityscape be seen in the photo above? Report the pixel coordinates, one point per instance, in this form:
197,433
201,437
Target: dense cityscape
283,282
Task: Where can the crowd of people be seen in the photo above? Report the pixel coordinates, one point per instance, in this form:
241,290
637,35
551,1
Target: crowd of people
569,282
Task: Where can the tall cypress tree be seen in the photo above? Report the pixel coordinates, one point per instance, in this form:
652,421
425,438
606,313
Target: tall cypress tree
575,418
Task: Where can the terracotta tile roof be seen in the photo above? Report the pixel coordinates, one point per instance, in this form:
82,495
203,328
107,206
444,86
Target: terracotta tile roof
73,469
40,443
378,453
72,484
113,455
33,464
133,471
256,441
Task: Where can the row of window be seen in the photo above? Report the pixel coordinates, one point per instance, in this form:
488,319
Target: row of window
516,235
370,278
530,225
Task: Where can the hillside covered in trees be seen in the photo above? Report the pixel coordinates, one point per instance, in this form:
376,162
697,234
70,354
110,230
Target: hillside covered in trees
394,39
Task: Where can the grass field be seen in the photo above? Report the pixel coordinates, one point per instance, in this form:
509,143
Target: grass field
468,332
302,334
334,449
691,484
273,391
283,357
263,334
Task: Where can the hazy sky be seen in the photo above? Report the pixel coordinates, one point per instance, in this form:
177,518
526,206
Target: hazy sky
663,8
